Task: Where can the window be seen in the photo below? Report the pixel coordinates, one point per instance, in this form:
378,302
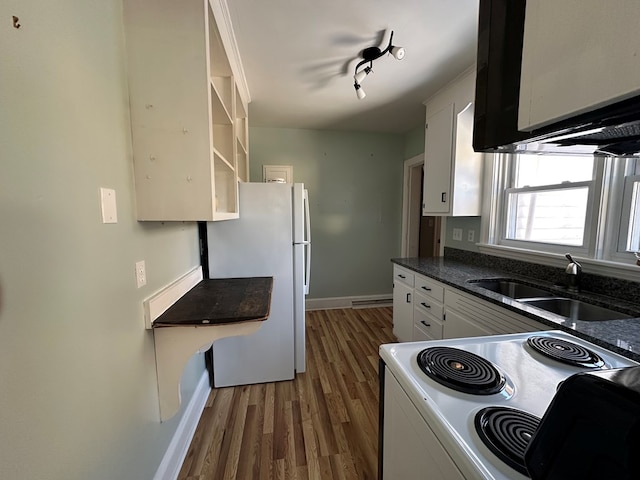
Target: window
548,202
629,232
586,205
633,235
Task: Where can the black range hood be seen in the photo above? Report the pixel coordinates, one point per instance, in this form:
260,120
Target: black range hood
610,130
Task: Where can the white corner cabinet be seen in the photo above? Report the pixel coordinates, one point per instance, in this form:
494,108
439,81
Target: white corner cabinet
452,170
189,103
425,309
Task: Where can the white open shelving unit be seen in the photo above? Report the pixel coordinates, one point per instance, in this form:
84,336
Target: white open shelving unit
189,110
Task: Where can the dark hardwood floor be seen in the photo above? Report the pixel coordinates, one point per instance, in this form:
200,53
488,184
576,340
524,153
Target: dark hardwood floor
321,425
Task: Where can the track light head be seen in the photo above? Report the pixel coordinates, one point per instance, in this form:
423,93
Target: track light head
369,55
397,52
360,76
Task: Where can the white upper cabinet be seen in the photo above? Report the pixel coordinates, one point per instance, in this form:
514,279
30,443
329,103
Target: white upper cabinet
452,170
577,55
188,101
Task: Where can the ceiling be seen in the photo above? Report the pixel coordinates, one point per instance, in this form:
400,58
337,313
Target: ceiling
299,58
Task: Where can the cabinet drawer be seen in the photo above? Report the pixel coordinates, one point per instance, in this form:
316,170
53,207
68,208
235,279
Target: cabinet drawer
427,323
429,287
403,275
420,335
428,305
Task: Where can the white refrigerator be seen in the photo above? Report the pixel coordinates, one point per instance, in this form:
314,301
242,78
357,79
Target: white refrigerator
271,238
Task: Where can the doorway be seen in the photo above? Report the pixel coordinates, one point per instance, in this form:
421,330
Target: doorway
420,235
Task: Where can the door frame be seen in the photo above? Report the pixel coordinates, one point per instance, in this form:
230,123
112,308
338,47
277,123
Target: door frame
412,203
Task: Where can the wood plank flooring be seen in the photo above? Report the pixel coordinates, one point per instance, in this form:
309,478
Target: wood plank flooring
321,425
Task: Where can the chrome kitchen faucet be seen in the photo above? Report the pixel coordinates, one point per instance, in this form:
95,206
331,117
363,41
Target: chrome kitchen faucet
573,271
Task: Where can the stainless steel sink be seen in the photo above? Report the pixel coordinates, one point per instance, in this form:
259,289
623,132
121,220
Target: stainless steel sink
575,309
548,301
512,288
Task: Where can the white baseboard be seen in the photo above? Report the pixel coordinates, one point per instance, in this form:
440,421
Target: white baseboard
177,450
363,301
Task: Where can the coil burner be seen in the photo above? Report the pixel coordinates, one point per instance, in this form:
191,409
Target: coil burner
507,432
461,370
565,352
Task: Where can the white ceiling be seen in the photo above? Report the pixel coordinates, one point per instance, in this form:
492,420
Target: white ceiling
299,58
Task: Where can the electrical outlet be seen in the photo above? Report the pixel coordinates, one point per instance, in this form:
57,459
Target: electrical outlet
457,234
141,274
471,237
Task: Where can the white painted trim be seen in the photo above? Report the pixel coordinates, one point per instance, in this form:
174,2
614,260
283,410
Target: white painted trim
406,190
597,267
348,302
225,27
159,302
173,458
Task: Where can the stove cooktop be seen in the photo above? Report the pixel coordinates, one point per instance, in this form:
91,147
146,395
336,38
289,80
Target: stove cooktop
528,380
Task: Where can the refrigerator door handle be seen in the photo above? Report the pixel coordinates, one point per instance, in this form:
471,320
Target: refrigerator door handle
307,241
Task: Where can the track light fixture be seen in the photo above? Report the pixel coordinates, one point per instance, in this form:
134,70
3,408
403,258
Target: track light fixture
369,55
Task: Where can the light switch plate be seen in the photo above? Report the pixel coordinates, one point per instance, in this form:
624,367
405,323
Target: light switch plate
141,274
108,204
457,234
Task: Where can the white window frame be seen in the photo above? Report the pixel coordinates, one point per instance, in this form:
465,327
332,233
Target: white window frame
625,172
594,186
603,232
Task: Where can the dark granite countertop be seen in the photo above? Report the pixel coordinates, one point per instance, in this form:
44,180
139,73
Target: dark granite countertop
220,300
622,336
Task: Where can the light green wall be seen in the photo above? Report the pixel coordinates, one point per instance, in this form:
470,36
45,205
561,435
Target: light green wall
79,393
355,189
414,142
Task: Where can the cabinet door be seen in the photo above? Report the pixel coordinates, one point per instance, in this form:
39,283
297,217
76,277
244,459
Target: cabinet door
576,56
487,316
402,311
438,162
457,326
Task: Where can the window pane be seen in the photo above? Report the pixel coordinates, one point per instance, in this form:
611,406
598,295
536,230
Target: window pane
535,170
633,239
552,216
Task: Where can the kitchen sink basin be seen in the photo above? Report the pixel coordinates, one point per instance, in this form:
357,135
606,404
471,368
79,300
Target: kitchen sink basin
512,288
548,301
575,309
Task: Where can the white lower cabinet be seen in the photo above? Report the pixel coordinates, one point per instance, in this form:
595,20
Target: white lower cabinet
411,451
426,327
425,309
428,314
402,304
459,326
470,316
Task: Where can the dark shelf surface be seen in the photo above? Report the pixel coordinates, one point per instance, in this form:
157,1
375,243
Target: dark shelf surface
219,301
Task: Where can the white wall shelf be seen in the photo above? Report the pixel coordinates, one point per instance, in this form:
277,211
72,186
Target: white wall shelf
190,314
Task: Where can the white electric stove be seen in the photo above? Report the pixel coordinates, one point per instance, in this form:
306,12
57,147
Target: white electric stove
481,398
